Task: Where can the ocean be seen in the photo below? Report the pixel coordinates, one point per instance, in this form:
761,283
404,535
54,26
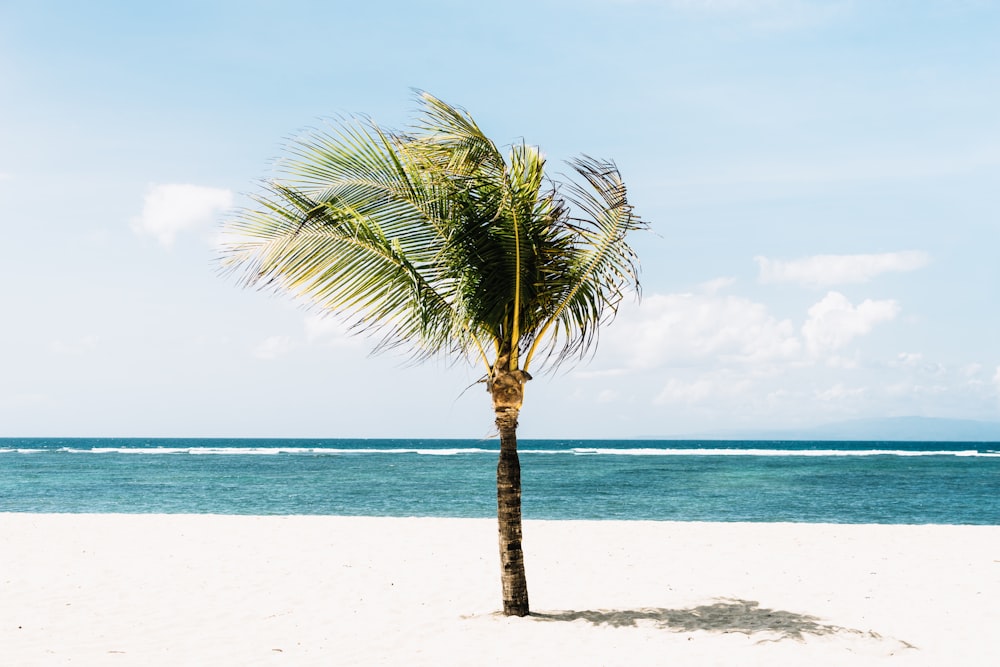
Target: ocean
801,481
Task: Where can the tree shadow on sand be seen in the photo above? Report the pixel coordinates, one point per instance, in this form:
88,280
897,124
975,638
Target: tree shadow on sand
724,616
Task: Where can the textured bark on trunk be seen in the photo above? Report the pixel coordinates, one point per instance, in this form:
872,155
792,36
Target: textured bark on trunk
507,389
512,578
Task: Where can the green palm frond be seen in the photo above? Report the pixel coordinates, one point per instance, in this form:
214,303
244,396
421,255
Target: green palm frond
436,241
453,141
602,267
351,231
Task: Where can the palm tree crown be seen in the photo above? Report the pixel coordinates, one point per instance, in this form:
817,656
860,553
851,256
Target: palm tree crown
436,241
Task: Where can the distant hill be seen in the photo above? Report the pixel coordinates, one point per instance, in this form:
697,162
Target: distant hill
891,428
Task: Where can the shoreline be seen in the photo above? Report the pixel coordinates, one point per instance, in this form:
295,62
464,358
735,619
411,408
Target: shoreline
159,589
492,520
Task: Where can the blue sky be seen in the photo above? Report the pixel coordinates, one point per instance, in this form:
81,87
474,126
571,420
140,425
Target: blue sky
822,179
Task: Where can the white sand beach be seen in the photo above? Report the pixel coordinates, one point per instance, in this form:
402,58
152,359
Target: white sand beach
293,590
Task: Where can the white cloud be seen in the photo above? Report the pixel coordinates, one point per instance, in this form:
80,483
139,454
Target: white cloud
823,270
972,370
677,391
607,396
684,328
707,332
839,392
914,361
717,285
701,390
319,328
330,331
909,359
600,374
173,208
706,355
833,321
74,348
273,348
842,362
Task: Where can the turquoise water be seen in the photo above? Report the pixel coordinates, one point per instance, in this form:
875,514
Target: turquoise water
838,482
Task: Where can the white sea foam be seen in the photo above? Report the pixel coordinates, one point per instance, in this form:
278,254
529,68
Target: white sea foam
460,451
258,451
651,451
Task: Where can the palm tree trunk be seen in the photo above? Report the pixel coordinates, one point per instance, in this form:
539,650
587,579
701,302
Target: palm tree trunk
515,585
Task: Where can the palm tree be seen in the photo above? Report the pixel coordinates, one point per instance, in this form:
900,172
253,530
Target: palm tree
434,240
